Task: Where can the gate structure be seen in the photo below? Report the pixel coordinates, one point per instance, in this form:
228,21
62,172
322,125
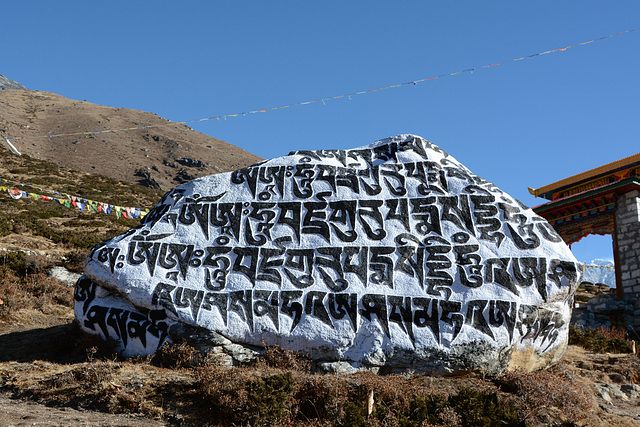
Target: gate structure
604,201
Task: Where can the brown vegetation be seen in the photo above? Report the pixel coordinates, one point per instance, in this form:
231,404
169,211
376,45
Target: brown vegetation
267,394
162,154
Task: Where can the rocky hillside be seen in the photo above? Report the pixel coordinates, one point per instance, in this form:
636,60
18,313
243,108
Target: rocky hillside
5,83
160,156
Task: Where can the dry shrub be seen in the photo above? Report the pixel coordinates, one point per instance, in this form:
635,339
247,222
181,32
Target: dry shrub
601,340
177,356
267,396
222,392
75,260
321,397
25,285
544,395
612,333
35,292
276,357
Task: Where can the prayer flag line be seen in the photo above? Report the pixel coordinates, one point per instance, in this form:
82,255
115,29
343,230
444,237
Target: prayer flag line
323,100
68,201
609,267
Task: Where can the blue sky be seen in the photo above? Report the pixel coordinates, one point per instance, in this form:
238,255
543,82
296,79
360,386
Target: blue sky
521,124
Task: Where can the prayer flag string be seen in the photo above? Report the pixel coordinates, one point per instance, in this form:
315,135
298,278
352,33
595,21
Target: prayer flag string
68,201
608,267
323,100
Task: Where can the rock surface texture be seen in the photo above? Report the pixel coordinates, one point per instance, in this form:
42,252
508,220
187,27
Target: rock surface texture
390,255
6,83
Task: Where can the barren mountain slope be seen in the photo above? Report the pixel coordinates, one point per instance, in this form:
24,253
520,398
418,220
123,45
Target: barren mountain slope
167,155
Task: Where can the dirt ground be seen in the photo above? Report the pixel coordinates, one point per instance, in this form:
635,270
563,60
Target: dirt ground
24,356
26,344
15,412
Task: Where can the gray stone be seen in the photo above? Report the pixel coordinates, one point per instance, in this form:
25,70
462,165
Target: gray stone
67,277
615,391
201,339
240,353
6,83
603,391
631,390
341,367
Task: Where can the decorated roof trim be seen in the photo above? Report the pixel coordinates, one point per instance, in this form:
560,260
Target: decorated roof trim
616,187
617,170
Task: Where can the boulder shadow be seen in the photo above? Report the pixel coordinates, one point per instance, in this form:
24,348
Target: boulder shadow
58,344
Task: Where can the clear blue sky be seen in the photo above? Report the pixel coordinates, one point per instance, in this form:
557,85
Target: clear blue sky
522,124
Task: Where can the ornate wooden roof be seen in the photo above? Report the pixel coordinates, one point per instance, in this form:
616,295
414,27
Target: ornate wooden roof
588,212
591,179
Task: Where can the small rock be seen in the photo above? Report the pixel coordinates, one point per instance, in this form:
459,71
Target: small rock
344,367
201,339
604,393
337,367
615,390
631,390
617,378
64,275
240,353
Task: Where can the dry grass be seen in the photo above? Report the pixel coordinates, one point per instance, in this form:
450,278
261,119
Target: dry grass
546,396
24,285
602,339
183,387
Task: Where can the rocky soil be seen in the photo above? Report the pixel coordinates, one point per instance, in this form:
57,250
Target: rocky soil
30,355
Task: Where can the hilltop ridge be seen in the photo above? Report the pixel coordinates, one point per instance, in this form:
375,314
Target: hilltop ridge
159,156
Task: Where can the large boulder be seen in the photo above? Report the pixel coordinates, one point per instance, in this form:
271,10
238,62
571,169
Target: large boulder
392,254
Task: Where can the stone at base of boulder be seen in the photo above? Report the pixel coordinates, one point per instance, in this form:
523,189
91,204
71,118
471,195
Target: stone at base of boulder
199,338
610,391
344,367
210,342
240,353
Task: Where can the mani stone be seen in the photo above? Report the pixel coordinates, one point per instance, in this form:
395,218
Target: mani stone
392,255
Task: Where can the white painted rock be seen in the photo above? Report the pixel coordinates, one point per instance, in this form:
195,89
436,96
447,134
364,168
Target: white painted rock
393,254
